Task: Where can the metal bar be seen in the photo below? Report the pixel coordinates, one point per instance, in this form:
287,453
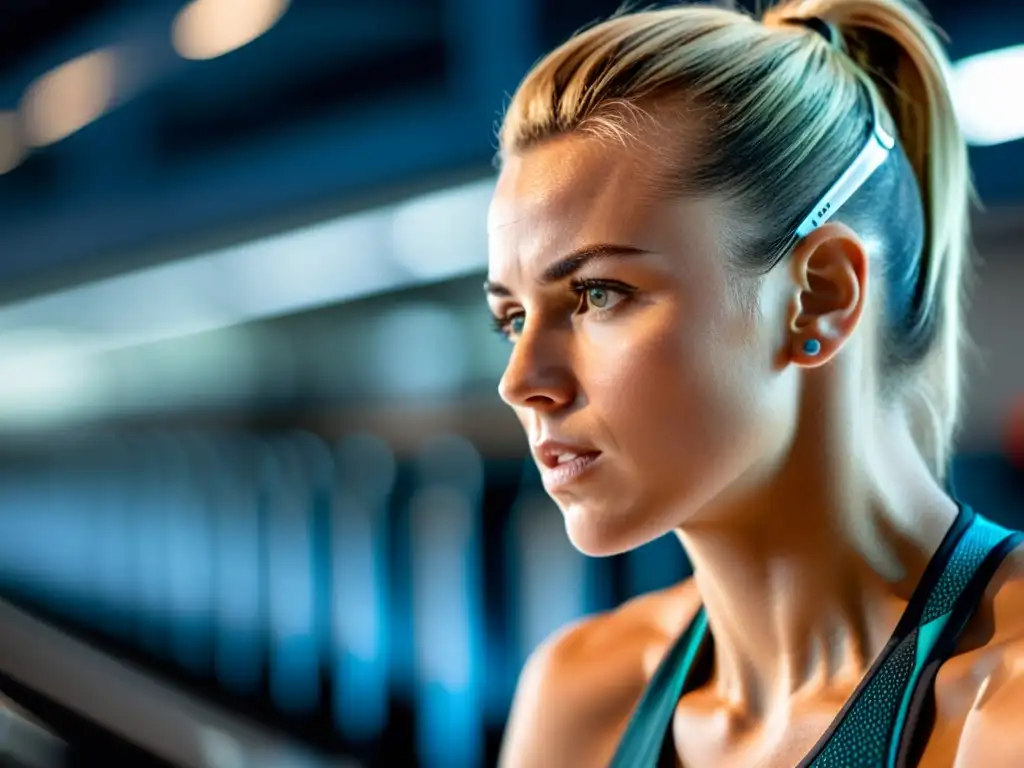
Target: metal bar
135,706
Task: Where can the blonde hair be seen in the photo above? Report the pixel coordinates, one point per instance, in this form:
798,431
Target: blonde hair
783,112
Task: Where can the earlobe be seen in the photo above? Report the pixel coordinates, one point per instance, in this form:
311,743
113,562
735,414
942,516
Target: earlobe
829,272
812,351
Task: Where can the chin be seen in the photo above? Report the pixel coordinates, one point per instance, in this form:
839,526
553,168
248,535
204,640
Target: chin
604,531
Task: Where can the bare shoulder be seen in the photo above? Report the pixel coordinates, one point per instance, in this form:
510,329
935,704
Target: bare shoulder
578,689
980,690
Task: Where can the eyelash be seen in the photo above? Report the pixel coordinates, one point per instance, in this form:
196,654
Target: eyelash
503,325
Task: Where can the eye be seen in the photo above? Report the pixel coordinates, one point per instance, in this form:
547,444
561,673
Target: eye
509,327
601,295
598,298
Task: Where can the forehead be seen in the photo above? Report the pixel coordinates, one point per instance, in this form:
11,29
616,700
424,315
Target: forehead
567,188
577,192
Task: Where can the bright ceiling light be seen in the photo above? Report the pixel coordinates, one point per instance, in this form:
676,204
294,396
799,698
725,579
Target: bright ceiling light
69,97
205,29
56,375
983,96
12,147
444,233
316,266
44,378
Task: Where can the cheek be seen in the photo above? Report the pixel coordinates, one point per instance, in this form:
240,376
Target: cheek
680,395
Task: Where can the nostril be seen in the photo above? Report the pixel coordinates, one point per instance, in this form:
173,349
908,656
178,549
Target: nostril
541,401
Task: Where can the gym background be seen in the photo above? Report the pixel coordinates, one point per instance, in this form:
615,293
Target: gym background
260,504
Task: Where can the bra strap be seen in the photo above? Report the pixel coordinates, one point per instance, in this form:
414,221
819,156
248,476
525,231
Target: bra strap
641,744
870,729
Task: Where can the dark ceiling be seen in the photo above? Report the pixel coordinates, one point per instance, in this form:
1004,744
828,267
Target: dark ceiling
341,103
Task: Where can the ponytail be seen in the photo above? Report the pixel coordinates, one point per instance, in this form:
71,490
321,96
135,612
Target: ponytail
898,57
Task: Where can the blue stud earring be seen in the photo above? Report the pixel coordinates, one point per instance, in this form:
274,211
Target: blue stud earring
812,347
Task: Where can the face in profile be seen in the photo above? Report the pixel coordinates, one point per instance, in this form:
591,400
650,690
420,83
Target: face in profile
643,367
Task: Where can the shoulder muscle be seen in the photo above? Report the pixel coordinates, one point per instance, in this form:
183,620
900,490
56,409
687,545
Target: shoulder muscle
980,692
578,689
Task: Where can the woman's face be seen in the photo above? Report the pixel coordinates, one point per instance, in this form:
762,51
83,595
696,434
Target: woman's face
636,347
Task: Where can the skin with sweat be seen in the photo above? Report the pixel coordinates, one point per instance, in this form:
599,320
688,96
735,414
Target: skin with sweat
800,498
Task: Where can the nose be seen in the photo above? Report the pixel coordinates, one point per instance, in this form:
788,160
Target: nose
539,375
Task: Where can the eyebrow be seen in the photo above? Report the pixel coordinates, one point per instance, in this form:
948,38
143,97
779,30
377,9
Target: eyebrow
569,265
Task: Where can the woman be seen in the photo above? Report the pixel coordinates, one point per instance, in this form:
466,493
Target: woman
729,254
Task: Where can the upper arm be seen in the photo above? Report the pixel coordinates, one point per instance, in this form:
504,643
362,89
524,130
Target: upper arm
986,696
524,733
552,720
579,688
992,734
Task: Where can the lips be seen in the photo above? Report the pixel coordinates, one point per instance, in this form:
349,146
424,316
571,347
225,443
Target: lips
563,463
551,454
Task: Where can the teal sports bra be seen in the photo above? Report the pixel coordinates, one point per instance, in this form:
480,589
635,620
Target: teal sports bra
887,720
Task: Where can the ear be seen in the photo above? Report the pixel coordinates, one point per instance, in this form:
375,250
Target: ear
830,275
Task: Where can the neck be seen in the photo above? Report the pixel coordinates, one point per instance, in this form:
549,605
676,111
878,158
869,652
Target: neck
805,577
